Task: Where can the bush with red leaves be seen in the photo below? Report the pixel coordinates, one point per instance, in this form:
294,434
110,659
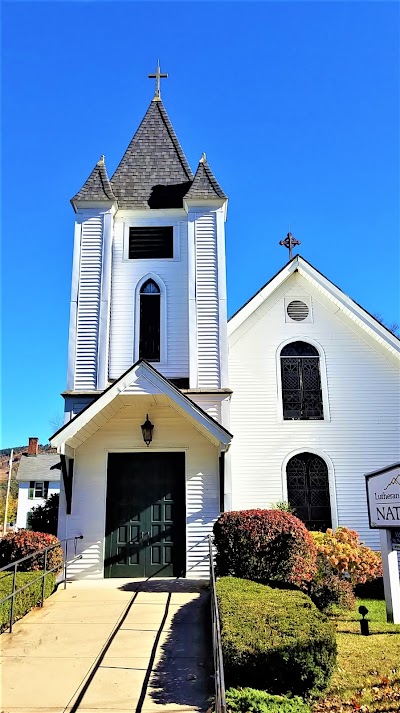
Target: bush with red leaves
266,546
16,545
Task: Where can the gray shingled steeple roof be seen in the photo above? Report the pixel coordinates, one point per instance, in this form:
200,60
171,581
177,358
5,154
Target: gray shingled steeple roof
154,172
97,186
205,186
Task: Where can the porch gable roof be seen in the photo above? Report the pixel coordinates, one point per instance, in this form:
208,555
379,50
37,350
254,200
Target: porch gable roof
136,380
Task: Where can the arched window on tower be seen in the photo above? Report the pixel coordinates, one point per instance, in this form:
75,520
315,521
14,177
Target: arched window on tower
301,382
308,490
149,332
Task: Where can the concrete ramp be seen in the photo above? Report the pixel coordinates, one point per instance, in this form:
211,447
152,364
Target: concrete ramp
111,645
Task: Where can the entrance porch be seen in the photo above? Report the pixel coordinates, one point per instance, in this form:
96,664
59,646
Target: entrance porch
143,511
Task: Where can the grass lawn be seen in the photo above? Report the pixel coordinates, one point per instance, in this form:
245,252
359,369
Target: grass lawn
367,678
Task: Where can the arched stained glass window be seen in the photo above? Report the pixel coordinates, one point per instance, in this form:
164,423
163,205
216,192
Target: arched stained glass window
301,382
149,333
308,490
150,288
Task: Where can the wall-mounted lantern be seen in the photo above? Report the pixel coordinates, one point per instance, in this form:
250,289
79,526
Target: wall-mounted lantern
147,431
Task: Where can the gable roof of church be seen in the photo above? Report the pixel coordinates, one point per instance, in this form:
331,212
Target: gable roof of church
374,329
128,383
153,172
205,185
97,186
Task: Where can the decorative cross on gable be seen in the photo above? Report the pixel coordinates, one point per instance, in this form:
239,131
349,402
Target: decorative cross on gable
157,76
289,242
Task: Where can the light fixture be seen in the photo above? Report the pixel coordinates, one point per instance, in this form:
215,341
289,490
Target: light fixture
147,431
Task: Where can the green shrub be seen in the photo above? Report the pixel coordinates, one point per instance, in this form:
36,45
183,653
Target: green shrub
250,700
44,518
25,600
274,639
328,589
284,506
265,545
16,545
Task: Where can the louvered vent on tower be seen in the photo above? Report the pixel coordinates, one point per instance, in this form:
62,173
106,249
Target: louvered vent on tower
151,242
298,309
89,297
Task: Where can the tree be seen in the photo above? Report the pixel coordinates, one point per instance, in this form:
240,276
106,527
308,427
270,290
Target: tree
44,518
56,422
394,327
12,507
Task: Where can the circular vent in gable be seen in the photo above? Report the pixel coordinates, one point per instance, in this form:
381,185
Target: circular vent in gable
297,310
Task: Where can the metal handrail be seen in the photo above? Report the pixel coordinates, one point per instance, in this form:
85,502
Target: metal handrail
44,551
219,677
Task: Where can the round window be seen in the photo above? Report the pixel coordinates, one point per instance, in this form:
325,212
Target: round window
297,310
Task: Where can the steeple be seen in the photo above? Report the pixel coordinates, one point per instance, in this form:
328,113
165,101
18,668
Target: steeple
205,186
97,186
154,172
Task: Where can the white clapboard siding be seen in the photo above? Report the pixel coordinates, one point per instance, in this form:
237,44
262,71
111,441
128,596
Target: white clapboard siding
122,432
363,432
207,301
89,293
125,276
212,404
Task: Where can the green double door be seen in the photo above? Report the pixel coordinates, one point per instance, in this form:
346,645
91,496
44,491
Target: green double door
145,515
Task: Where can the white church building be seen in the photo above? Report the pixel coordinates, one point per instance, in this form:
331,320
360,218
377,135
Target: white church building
174,413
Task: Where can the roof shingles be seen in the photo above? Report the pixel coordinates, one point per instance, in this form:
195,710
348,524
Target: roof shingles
97,186
205,186
154,172
44,466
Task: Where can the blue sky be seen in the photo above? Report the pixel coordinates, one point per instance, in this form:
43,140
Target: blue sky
295,104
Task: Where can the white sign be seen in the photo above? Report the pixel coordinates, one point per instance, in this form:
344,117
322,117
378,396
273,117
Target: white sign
396,540
383,495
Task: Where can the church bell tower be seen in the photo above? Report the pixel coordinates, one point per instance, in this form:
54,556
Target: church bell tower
149,279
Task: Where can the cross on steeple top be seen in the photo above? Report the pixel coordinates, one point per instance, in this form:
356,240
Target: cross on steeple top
157,76
289,242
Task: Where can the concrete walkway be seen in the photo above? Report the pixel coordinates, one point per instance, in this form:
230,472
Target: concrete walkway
111,645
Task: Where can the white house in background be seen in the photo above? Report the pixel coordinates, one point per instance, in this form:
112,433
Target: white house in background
38,477
312,396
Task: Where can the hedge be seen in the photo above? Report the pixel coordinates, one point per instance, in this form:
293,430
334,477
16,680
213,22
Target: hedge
274,639
250,700
266,546
15,545
26,600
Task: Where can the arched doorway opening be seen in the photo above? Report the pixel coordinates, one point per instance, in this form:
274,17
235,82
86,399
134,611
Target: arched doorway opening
308,490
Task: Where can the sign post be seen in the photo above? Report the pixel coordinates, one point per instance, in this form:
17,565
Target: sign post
383,496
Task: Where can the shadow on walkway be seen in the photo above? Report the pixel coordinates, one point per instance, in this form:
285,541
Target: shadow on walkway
183,673
137,646
170,586
179,667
